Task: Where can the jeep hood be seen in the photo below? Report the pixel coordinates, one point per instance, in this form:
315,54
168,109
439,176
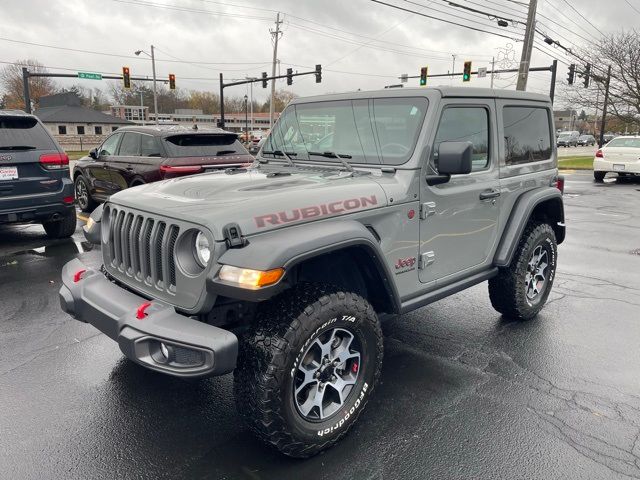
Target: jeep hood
257,200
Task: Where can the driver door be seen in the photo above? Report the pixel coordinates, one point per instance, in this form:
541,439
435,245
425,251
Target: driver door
459,226
100,181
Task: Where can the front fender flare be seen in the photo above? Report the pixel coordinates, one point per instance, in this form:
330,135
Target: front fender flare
288,247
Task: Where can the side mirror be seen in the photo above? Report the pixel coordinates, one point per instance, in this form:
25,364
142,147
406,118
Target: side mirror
454,158
93,153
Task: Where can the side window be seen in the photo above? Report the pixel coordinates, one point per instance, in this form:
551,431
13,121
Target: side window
527,134
109,145
130,145
465,124
149,146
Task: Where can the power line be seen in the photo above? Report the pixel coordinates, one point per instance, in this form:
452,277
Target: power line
631,5
105,54
490,15
191,10
474,18
580,28
515,39
584,18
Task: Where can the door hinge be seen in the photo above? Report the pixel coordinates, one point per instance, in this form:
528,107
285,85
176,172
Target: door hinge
426,259
427,209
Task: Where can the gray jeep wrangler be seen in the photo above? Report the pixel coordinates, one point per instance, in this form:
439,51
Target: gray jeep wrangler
359,206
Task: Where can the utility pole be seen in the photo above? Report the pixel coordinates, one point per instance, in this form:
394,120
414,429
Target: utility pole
453,64
276,36
25,87
493,67
604,107
527,46
595,118
155,93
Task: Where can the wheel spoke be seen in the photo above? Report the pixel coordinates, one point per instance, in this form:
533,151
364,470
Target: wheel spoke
340,383
314,399
308,376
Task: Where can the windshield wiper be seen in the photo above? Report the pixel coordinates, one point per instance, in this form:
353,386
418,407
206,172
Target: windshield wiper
338,156
286,155
17,147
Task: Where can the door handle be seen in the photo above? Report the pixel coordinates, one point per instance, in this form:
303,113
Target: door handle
487,194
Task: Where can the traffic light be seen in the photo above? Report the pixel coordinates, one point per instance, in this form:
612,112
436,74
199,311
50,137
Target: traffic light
587,73
126,78
264,79
318,73
424,71
466,73
172,81
289,76
571,74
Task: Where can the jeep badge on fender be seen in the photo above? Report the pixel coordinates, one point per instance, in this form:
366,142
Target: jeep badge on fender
282,272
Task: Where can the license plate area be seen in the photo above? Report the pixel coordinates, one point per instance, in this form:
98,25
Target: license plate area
8,173
618,167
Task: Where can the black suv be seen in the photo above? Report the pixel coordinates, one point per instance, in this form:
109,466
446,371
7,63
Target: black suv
35,185
134,156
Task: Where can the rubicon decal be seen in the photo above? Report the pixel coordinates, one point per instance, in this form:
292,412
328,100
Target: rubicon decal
315,211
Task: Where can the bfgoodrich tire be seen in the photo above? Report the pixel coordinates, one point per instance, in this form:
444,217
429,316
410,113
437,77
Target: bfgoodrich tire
520,290
308,367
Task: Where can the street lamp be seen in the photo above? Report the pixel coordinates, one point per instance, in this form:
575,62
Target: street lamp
153,68
246,119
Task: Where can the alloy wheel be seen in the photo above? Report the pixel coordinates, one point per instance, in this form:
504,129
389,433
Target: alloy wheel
327,374
536,277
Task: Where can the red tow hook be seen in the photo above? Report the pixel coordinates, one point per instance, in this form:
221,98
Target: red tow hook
141,312
78,275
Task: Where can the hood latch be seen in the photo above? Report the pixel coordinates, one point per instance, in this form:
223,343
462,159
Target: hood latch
233,236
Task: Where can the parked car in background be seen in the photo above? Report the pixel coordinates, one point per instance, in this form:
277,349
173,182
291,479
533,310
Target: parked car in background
608,137
255,147
35,186
137,155
620,155
568,139
586,140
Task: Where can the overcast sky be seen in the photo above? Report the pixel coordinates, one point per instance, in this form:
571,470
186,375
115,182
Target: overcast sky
346,36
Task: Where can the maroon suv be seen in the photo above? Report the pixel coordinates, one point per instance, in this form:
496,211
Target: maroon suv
136,155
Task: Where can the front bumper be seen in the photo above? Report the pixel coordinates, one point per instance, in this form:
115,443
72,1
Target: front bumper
163,340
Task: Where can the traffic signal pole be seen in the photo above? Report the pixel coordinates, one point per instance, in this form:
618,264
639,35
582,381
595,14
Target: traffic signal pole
317,72
26,75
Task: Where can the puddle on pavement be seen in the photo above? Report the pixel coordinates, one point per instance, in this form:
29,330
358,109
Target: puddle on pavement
71,247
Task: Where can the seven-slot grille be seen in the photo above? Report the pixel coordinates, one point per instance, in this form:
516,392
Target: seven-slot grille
143,248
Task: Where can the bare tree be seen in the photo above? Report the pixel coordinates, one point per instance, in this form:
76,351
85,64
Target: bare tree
622,51
11,83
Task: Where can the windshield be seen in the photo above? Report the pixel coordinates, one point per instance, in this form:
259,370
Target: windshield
625,142
585,137
565,135
203,145
381,130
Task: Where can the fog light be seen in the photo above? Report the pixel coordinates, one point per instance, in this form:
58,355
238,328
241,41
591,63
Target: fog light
252,279
167,352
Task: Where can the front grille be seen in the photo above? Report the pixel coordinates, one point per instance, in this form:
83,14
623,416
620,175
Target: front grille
143,248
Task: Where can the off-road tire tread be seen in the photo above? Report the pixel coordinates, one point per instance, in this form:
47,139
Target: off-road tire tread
63,228
503,288
262,361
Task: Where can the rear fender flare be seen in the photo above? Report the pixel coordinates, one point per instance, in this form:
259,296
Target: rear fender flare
520,216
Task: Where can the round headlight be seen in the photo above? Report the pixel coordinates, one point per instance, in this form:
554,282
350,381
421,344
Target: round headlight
203,250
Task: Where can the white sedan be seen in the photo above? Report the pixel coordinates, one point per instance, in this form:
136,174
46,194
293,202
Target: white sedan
620,155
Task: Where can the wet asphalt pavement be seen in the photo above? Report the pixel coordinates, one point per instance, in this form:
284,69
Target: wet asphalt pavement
464,392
